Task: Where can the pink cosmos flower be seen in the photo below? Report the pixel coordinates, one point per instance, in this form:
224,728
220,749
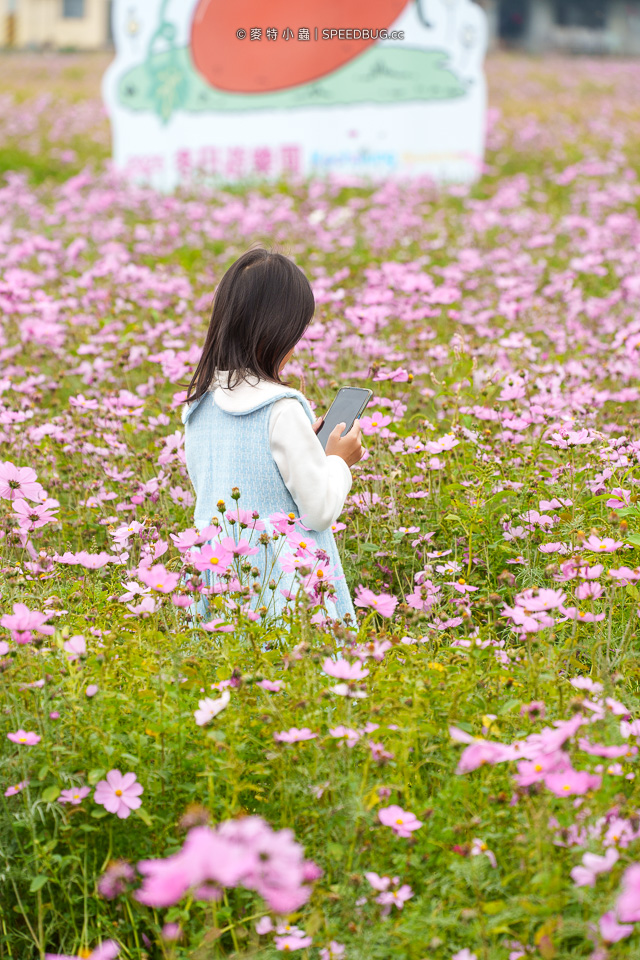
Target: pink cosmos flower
15,788
534,710
23,622
292,943
301,544
532,771
335,951
94,561
28,738
159,578
75,795
480,751
91,690
479,847
586,683
243,852
402,822
75,647
171,932
572,782
209,708
119,793
32,516
293,735
461,586
611,931
604,545
464,955
346,733
629,729
603,750
378,882
217,625
397,898
215,558
246,518
592,866
343,670
570,438
273,686
107,950
583,616
114,880
383,603
374,424
628,902
241,549
264,926
145,608
18,482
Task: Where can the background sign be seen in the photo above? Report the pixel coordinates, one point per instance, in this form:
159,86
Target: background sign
247,90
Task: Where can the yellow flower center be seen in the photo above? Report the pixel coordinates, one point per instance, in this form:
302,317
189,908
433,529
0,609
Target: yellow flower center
303,544
320,574
461,580
292,516
215,560
399,821
76,796
538,767
118,793
566,787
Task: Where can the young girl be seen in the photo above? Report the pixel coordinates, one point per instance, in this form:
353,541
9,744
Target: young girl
246,428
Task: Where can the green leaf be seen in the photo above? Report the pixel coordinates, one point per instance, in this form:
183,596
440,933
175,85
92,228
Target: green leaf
37,883
144,816
51,793
94,775
493,907
99,814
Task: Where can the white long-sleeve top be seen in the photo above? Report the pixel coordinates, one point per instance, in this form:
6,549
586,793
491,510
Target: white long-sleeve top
319,484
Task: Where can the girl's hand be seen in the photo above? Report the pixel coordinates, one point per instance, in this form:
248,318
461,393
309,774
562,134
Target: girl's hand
316,426
348,447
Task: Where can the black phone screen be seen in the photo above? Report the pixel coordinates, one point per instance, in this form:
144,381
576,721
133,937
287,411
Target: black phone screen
346,407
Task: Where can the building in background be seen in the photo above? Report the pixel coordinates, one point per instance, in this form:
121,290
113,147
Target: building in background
539,26
55,24
566,26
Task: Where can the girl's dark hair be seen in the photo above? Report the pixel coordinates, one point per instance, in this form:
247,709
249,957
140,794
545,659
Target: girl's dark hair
261,308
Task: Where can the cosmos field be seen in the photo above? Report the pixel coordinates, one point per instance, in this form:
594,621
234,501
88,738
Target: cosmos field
460,784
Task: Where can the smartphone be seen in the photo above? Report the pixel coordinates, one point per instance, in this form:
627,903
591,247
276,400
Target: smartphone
347,406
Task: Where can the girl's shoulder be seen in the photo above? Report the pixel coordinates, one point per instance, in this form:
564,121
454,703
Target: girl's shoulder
188,408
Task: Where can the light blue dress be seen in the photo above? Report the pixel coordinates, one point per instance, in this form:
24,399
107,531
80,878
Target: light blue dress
225,450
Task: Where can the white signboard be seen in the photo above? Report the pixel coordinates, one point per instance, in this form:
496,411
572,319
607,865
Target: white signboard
245,90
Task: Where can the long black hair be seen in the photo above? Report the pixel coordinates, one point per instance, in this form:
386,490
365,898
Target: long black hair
261,308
